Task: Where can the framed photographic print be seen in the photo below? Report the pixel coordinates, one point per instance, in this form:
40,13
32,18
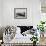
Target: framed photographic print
20,13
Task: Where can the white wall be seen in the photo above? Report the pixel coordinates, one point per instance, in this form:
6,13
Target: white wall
0,12
33,12
36,7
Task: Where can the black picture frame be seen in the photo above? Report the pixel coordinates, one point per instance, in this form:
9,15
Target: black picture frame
20,13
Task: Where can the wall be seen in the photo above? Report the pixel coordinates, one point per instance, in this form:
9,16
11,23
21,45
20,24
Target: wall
36,7
0,12
33,12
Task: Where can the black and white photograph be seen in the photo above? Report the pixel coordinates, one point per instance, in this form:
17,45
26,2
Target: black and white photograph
20,13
